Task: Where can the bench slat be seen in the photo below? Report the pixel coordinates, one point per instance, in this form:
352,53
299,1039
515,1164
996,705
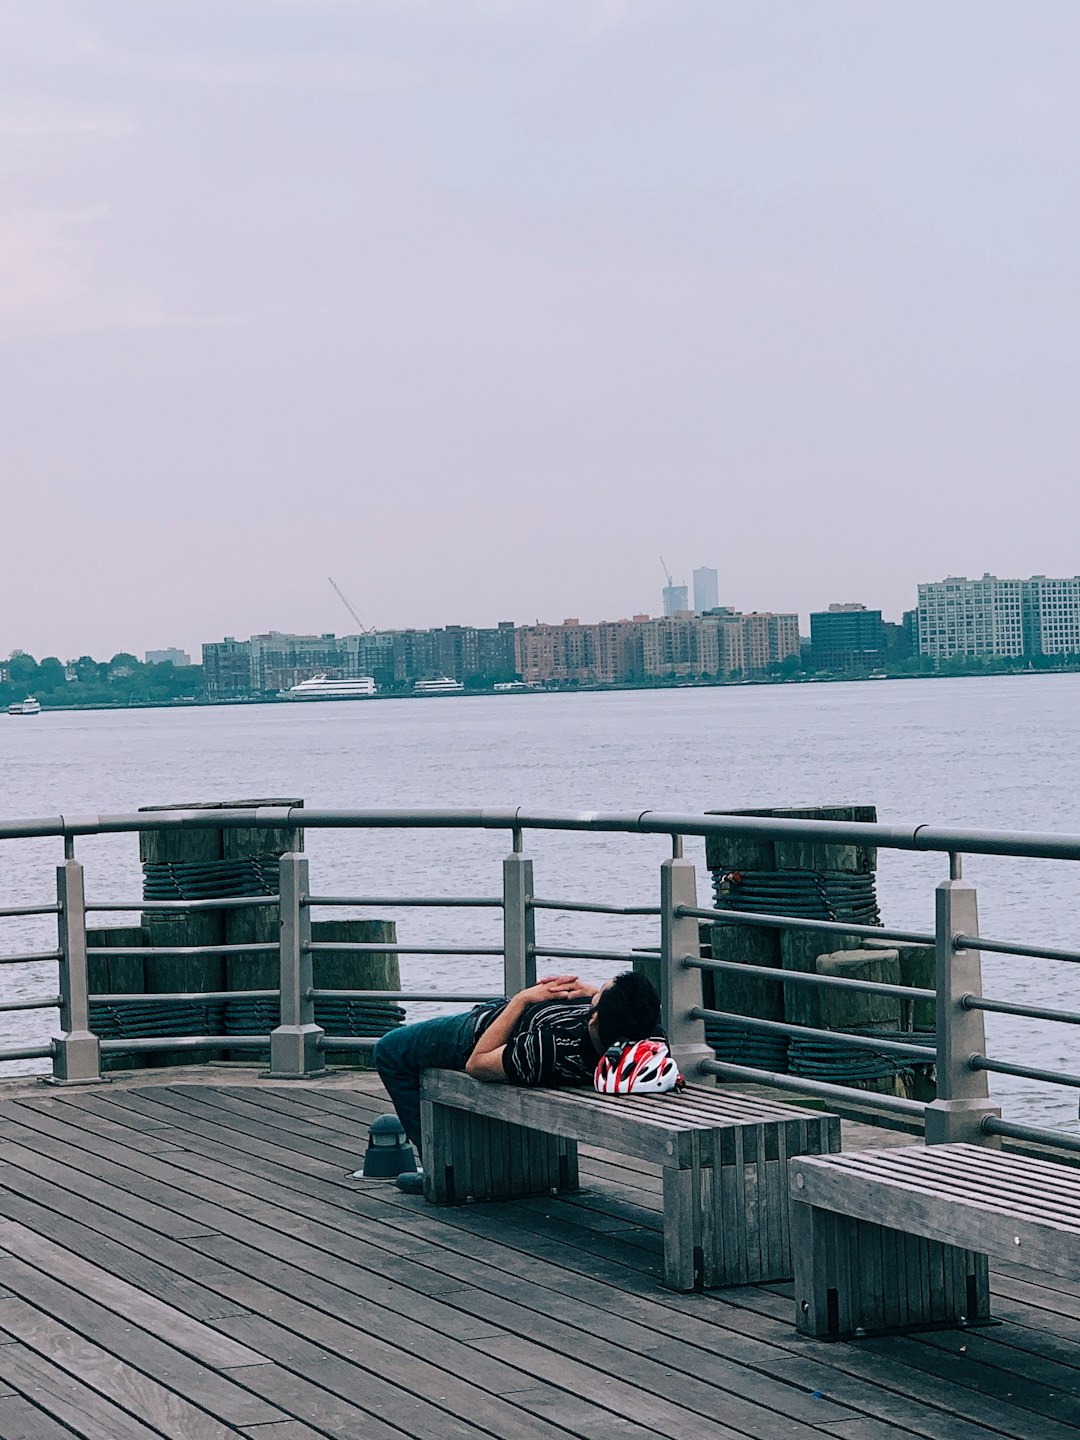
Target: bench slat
1002,1191
877,1184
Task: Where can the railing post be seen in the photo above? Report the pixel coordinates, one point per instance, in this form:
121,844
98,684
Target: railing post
519,924
294,1045
680,984
77,1053
963,1094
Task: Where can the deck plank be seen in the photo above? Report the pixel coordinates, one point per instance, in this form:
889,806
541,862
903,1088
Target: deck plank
212,1221
20,1420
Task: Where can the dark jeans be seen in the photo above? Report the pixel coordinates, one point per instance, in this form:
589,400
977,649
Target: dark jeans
401,1054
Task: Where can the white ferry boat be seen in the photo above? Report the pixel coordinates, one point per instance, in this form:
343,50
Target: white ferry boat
321,687
29,706
443,686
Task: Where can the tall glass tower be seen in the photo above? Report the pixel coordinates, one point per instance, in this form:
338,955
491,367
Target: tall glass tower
706,590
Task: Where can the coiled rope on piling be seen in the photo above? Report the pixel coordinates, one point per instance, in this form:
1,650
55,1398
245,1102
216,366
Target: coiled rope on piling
840,895
210,879
837,895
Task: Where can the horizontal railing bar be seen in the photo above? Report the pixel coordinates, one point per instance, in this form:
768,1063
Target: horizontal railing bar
1014,947
1033,1134
224,902
187,1042
793,922
871,1100
1025,1072
803,977
152,998
9,911
418,902
648,822
27,1052
401,996
347,1042
808,1032
31,958
147,950
1029,1012
46,1003
558,952
588,908
387,947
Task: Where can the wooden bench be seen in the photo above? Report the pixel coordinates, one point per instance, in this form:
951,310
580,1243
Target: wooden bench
898,1239
723,1158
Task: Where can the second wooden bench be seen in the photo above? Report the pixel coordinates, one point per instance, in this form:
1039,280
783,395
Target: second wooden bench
722,1156
898,1239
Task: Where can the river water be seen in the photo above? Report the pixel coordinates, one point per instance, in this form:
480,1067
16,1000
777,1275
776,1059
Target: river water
997,752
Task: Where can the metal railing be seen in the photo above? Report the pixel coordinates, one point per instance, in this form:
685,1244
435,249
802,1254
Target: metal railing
963,1108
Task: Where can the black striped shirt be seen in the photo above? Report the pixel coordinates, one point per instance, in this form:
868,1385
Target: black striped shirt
549,1045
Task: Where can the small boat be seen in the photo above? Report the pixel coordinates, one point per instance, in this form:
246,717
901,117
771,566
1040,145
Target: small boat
321,687
29,706
442,686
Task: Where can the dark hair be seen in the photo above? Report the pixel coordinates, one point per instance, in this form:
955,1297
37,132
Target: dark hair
629,1009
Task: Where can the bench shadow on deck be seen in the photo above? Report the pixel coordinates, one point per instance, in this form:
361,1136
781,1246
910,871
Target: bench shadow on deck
187,1256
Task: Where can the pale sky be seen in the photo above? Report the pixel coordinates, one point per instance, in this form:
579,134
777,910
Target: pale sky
480,306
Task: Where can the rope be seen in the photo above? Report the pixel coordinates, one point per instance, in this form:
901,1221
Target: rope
146,1020
739,1046
337,1017
837,895
236,1017
819,1060
210,879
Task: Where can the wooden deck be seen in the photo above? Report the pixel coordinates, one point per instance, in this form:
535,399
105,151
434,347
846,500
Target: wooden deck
187,1256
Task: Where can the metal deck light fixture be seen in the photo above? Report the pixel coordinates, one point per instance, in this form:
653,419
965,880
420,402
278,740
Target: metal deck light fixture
388,1152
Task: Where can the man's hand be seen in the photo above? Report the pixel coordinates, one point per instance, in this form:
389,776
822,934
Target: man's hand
562,987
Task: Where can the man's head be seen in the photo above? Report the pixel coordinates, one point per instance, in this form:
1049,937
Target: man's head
626,1008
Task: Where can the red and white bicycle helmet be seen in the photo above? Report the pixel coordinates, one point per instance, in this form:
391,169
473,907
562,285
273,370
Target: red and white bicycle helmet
640,1068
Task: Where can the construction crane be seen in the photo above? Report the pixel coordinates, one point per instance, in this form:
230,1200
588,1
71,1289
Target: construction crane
663,566
364,629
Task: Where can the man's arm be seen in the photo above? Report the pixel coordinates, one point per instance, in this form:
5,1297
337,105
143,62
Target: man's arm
486,1060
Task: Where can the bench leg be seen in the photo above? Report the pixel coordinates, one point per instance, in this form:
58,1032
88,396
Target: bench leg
856,1278
683,1251
745,1197
471,1157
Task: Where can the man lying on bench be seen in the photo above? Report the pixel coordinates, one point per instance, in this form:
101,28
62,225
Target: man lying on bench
552,1034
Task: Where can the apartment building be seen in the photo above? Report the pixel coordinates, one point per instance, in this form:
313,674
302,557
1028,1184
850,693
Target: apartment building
768,639
961,617
1051,615
847,637
227,669
619,653
540,651
570,653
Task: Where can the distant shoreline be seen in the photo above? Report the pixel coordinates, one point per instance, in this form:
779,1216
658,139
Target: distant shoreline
531,690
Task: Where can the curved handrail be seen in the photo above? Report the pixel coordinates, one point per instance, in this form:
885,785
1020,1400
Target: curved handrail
920,837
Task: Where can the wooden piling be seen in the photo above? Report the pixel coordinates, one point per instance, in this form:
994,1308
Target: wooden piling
789,949
117,974
191,859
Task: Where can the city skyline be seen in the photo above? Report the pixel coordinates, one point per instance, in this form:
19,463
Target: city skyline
957,620
1066,590
445,343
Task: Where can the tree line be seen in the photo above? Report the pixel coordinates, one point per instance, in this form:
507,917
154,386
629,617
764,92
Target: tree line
123,680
